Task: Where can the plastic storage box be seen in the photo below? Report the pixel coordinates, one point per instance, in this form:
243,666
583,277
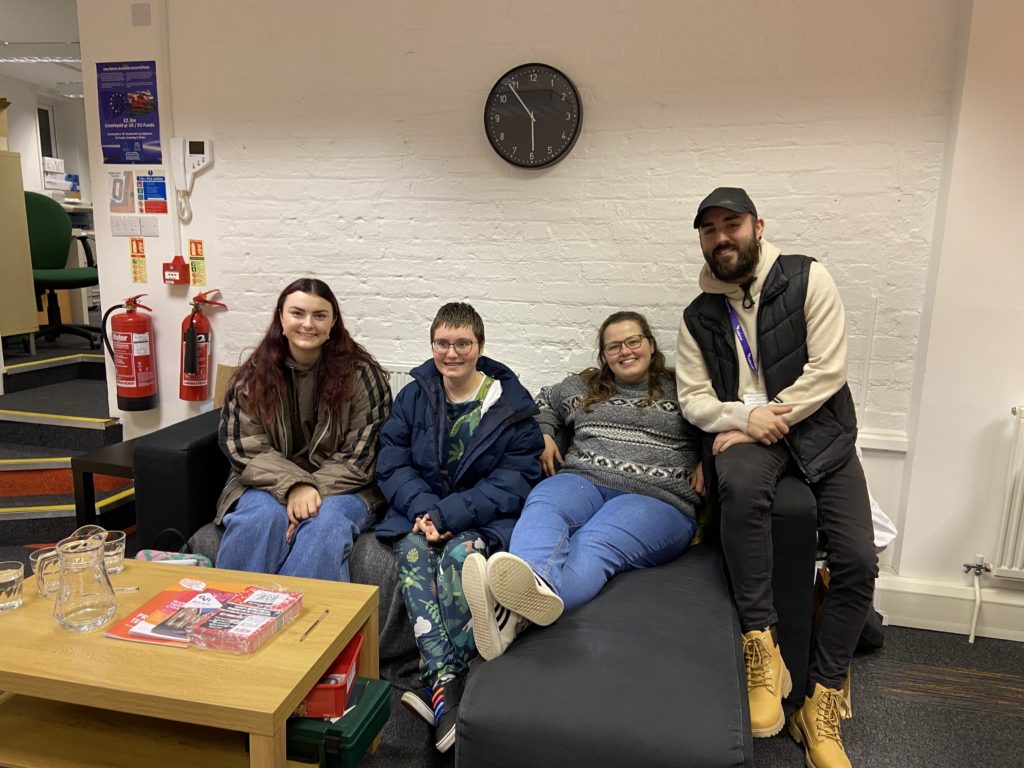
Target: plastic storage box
342,743
329,697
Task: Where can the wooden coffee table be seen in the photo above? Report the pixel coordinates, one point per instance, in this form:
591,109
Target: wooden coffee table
85,699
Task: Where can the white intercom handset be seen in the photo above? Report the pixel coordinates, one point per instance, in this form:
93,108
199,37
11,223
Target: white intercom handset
188,158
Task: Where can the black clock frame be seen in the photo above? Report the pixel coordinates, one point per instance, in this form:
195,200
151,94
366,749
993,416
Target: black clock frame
517,110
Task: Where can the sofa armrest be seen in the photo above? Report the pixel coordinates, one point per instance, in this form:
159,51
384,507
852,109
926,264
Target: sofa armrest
179,474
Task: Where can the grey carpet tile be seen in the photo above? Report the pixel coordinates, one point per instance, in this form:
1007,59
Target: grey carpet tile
15,352
55,437
23,451
995,693
47,500
943,649
78,397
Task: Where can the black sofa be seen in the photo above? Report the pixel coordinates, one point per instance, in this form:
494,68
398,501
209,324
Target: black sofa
648,673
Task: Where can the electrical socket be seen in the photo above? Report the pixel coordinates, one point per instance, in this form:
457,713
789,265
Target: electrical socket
125,226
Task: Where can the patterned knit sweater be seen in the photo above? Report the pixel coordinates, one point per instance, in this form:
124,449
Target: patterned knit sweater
647,450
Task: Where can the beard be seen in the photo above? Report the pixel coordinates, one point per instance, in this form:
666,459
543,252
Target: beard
747,256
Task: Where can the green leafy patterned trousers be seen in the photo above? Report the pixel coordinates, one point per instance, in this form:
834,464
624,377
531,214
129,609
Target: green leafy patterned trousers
431,579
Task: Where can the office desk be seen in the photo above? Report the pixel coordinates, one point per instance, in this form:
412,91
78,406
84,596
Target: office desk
18,308
82,226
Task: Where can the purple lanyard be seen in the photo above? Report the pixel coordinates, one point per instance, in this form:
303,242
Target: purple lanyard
735,320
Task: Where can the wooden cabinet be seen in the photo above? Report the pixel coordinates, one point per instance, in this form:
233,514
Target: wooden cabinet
18,305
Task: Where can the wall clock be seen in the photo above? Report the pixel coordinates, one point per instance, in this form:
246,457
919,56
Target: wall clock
533,116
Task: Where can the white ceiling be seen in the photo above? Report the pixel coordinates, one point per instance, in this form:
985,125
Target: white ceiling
40,28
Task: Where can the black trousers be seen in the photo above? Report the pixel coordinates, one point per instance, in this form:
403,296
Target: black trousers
747,476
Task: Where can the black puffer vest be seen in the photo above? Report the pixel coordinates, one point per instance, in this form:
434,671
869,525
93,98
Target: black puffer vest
824,440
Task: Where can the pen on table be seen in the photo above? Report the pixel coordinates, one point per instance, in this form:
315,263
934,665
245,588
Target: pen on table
126,589
312,626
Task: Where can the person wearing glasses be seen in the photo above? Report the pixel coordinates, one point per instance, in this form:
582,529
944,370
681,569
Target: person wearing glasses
624,495
458,457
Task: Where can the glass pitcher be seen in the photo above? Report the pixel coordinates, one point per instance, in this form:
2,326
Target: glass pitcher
85,598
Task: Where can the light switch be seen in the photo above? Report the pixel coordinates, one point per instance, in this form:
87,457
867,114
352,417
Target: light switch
125,226
150,226
141,15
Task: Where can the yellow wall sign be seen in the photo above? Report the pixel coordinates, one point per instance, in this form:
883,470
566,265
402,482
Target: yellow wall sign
197,262
139,273
137,251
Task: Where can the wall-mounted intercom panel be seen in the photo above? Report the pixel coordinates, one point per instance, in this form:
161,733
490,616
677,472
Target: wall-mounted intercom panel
189,157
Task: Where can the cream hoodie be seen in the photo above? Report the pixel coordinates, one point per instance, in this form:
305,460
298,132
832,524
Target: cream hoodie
823,375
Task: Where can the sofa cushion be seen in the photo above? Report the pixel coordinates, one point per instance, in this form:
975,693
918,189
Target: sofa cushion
650,672
374,563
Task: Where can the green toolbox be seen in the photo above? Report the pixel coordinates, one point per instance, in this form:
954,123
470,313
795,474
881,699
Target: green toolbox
342,743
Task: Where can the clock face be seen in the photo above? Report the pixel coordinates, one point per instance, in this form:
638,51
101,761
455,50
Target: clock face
533,116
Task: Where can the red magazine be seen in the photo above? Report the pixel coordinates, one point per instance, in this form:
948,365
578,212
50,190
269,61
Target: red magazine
165,618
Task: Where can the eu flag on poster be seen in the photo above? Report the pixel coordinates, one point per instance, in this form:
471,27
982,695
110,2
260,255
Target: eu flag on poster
129,116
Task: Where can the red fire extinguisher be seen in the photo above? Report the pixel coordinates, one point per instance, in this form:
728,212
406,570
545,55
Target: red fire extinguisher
195,350
132,348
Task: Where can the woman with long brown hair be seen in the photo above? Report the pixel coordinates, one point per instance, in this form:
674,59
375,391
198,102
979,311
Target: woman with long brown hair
300,427
623,497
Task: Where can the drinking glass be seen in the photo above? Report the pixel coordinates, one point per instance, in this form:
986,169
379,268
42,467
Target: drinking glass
12,574
46,568
113,551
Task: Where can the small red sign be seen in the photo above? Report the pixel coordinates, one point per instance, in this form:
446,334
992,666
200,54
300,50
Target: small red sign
154,206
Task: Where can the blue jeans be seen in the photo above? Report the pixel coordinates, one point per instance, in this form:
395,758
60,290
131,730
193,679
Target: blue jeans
254,537
576,535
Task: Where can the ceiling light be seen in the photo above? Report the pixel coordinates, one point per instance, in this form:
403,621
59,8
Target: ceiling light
40,52
39,60
70,90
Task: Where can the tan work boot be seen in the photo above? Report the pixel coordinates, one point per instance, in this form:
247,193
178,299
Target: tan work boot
816,726
768,683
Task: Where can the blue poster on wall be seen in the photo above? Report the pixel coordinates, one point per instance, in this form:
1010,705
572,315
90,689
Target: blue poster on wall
129,117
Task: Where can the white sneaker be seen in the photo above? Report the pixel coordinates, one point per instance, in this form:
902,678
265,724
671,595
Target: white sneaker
515,586
494,626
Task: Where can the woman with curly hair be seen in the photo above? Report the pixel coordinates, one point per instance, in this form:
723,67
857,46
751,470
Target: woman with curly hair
300,425
624,496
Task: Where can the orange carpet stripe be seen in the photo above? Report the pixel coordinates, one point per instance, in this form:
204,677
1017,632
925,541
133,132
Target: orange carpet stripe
42,482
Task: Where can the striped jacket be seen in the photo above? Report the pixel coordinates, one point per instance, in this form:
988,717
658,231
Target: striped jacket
342,450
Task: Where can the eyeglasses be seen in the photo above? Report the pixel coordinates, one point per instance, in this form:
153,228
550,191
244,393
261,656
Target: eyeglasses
615,347
462,346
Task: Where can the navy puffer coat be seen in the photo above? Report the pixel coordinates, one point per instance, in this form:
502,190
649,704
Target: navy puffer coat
488,488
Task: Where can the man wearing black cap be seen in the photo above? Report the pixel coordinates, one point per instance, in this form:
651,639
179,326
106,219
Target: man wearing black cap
761,365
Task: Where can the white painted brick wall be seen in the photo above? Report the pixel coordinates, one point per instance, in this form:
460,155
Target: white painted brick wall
351,147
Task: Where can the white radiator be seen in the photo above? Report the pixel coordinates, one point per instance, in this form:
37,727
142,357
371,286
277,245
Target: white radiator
1010,557
399,376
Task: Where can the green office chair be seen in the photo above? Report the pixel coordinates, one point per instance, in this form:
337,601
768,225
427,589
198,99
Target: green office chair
49,235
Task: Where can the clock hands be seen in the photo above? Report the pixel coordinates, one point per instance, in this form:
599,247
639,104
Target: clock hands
516,94
528,113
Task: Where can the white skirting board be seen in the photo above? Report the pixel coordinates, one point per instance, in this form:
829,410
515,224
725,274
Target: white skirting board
946,607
